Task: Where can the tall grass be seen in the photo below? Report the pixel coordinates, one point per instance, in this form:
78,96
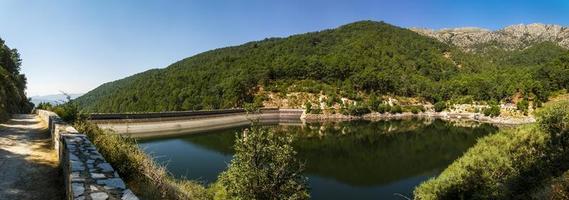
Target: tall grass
144,176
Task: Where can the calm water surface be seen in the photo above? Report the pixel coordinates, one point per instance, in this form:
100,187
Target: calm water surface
344,160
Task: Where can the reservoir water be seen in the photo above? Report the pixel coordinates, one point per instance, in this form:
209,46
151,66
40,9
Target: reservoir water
343,160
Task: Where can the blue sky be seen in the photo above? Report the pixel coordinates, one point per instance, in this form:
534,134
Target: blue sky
76,45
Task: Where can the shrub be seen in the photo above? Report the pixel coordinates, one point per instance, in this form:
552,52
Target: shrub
396,109
316,111
523,106
308,107
374,102
415,110
259,99
490,170
361,110
251,107
555,121
559,188
383,108
44,106
355,110
466,100
69,111
331,100
440,106
263,167
511,164
492,111
536,104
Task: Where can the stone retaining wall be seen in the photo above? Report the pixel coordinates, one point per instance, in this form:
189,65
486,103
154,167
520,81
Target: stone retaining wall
87,174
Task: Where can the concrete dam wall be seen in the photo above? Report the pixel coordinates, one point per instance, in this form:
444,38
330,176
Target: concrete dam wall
178,123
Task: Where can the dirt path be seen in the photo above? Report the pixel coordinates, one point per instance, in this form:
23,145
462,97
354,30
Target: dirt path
28,164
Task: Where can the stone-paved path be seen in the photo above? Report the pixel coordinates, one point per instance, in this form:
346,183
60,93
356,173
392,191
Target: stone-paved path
28,164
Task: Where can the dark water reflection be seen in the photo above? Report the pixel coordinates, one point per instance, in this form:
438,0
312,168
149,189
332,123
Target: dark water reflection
344,160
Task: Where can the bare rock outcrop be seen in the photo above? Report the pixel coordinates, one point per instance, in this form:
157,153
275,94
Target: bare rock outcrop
510,38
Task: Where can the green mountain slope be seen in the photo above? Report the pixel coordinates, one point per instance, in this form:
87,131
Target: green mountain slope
12,83
350,61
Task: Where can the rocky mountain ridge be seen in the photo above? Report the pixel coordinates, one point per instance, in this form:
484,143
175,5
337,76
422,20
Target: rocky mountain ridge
512,37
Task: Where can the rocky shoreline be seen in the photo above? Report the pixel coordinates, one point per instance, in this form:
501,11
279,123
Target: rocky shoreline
448,116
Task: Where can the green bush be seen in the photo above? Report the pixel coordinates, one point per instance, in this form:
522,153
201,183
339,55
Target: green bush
523,106
355,110
512,164
383,108
332,99
396,109
259,99
559,188
44,106
555,121
465,100
374,102
263,167
440,106
415,110
536,104
308,107
251,107
316,111
492,111
69,111
491,169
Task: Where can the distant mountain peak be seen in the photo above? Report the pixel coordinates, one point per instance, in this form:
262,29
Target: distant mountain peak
519,36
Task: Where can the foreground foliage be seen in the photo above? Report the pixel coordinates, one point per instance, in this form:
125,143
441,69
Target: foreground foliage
145,177
68,110
263,167
12,83
512,164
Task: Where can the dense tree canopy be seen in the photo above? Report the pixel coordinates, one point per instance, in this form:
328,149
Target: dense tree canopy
12,83
359,58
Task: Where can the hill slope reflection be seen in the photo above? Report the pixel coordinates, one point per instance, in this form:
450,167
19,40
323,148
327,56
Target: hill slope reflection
357,154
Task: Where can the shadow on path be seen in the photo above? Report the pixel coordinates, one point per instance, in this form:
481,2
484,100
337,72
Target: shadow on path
28,164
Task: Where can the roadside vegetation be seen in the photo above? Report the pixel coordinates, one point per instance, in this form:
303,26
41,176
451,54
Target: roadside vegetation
528,162
12,84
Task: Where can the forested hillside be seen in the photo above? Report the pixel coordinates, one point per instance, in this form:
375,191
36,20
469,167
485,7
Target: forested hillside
12,83
354,60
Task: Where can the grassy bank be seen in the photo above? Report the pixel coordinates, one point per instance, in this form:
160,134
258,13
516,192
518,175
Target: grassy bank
520,163
145,177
